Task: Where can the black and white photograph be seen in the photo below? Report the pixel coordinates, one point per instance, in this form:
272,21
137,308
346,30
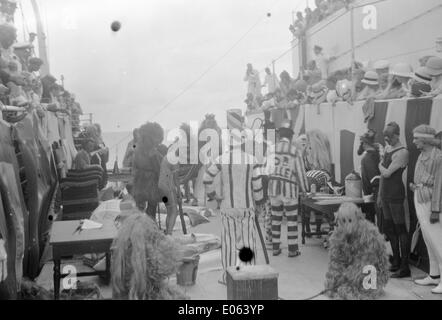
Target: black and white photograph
220,154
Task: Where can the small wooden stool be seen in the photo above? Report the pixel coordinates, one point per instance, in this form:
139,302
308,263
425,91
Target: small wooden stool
252,283
66,242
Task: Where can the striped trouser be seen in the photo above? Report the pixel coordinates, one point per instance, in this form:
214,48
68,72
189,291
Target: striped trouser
238,231
290,206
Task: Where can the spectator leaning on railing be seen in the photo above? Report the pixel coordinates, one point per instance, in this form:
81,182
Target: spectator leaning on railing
300,25
398,86
433,68
371,86
420,83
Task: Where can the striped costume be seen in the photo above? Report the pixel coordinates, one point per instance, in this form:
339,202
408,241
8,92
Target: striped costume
286,178
241,191
319,178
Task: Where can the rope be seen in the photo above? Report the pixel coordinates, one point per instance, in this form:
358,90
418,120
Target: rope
317,295
210,68
323,292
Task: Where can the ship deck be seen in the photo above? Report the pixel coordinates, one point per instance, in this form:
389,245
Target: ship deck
299,278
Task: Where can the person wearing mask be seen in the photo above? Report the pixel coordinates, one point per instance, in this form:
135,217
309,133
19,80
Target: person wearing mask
427,187
391,199
370,171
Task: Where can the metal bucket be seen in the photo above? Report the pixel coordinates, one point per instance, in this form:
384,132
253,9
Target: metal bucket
186,275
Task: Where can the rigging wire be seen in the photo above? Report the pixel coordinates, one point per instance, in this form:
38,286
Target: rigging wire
369,4
210,68
46,32
24,23
390,29
407,53
312,34
213,65
323,27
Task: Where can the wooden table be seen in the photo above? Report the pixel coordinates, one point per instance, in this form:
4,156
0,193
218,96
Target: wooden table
65,242
307,204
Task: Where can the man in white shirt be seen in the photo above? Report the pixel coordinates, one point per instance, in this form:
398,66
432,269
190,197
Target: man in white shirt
271,81
252,77
322,61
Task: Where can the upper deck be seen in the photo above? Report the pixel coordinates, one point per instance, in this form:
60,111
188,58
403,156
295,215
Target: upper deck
412,32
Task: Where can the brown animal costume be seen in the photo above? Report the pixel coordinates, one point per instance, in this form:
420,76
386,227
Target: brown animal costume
146,167
355,244
190,172
142,261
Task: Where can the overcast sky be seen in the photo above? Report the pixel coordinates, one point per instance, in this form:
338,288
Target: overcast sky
124,78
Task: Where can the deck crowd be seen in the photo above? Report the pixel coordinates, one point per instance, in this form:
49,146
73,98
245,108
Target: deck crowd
380,80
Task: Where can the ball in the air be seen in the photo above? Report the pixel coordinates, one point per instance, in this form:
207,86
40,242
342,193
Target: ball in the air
115,26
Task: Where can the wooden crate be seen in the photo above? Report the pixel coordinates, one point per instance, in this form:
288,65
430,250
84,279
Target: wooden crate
252,283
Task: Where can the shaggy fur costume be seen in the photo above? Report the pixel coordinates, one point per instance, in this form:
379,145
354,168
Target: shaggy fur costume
143,258
354,244
318,153
146,167
84,291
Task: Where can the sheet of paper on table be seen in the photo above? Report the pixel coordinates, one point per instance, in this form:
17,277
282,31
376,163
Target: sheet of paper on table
89,224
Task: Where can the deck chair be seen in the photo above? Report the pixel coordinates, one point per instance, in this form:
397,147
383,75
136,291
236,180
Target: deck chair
79,193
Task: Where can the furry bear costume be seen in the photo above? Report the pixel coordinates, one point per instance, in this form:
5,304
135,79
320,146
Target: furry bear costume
146,167
143,259
355,244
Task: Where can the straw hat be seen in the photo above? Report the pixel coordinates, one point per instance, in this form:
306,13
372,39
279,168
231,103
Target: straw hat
371,78
421,75
434,66
402,69
381,64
